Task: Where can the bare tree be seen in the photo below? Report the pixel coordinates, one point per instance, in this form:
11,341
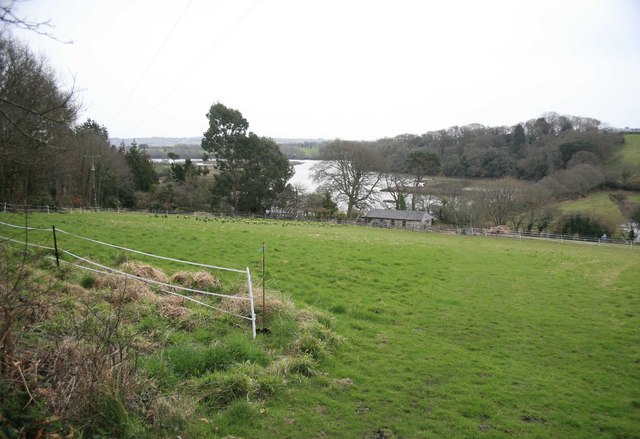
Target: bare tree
9,18
351,171
501,200
420,164
534,208
35,119
453,202
397,186
35,113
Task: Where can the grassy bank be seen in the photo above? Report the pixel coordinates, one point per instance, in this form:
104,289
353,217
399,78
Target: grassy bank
599,202
630,152
445,336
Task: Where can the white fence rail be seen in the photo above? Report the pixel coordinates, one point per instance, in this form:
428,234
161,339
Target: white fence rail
544,236
89,265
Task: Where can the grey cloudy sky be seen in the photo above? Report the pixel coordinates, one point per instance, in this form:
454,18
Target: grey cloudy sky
355,69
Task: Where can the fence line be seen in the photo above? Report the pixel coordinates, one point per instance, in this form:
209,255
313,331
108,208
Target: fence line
156,282
150,254
357,221
165,287
8,207
141,279
560,237
23,227
27,243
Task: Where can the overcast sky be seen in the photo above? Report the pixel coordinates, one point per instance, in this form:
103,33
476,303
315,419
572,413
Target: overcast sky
343,68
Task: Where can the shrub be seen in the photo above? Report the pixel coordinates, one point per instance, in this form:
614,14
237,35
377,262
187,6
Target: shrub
19,417
88,281
579,223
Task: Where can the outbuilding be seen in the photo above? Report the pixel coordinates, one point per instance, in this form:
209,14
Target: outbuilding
398,218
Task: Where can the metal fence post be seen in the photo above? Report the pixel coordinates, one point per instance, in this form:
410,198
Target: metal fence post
264,280
55,247
253,311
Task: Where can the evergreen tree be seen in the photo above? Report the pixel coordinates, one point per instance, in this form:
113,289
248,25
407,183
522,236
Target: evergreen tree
144,175
401,203
253,171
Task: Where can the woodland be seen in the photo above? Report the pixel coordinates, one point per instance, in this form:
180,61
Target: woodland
49,158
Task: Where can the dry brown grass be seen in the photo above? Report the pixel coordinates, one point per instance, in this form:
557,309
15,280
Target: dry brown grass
305,316
173,307
182,278
120,288
39,310
144,270
170,410
200,280
73,290
203,280
275,303
84,371
76,372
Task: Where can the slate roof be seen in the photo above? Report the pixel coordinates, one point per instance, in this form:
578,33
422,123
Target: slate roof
402,215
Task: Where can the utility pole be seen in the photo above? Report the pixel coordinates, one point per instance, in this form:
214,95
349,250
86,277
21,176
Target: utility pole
93,180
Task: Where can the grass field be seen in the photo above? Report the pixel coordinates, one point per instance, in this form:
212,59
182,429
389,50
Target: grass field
597,202
601,203
630,152
445,336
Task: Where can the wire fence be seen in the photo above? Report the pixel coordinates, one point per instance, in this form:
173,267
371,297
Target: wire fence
360,221
21,235
558,237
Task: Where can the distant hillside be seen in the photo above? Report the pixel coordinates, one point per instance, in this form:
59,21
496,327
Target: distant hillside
157,141
189,147
154,142
604,202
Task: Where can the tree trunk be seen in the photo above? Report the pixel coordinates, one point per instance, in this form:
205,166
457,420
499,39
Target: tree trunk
6,355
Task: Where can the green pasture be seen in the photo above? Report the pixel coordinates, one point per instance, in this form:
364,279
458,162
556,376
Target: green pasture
597,202
444,336
630,150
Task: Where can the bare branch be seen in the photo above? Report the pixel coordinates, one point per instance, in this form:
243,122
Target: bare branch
8,17
20,130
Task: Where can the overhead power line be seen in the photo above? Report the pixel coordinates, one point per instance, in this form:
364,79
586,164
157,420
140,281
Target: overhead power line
155,56
193,69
